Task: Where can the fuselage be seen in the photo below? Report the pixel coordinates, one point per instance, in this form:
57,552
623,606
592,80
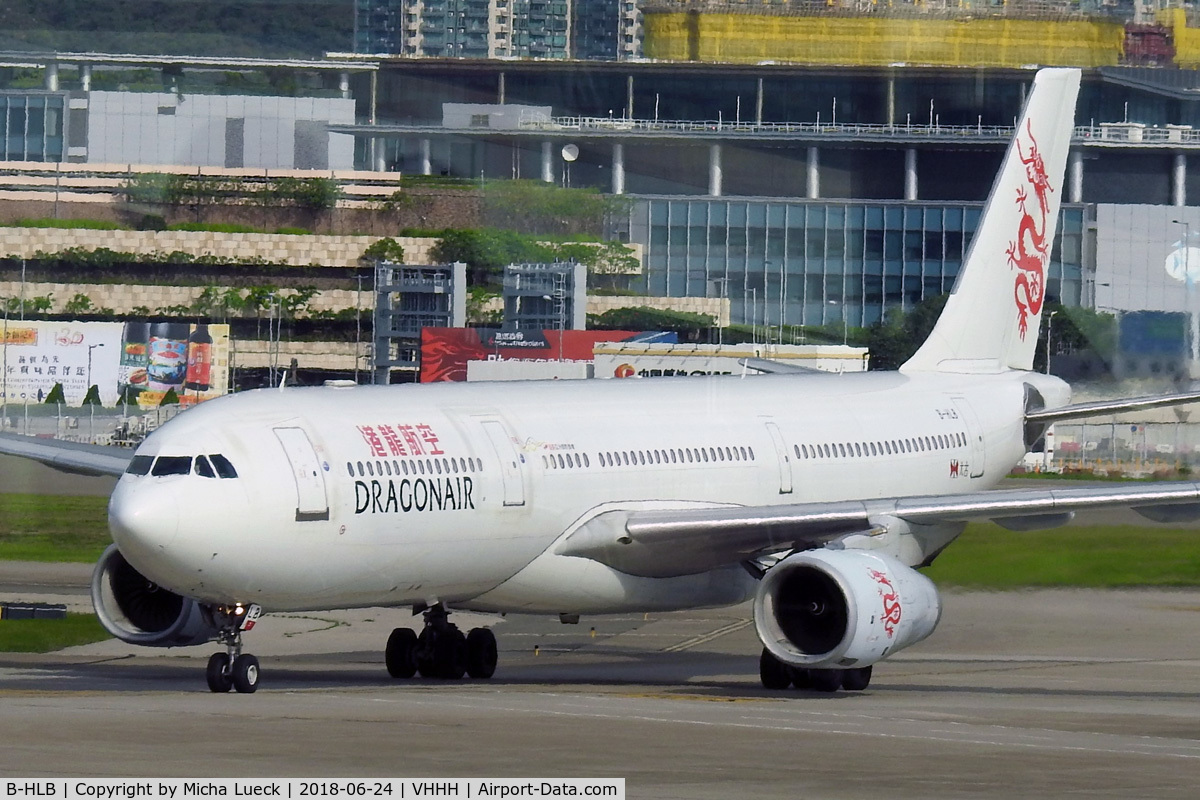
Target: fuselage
457,493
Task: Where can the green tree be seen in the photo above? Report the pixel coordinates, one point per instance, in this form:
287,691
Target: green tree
486,251
92,398
170,398
386,249
689,326
893,339
56,395
79,304
536,207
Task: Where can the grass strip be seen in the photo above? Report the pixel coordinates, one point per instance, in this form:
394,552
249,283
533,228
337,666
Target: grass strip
46,635
987,556
53,527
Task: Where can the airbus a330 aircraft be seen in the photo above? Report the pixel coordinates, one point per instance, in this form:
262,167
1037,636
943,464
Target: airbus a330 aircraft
817,495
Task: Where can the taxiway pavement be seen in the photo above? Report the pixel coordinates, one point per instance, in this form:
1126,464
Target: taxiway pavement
1031,694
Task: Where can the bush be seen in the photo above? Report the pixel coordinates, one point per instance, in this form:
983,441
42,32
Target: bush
643,318
70,224
545,209
213,227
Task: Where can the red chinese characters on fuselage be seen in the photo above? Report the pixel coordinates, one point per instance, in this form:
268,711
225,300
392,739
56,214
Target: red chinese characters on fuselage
408,441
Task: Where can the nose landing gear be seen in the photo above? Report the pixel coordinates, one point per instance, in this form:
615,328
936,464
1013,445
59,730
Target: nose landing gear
233,669
442,650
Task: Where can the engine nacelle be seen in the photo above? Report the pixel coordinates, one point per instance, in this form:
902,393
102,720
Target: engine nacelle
136,610
843,608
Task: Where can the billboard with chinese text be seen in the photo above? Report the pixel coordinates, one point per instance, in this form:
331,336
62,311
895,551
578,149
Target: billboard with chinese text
132,360
446,351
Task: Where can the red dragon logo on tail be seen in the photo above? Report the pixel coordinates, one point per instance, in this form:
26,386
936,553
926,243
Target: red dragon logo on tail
1030,251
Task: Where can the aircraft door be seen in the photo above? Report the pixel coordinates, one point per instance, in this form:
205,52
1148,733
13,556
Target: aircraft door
311,501
977,448
510,462
785,462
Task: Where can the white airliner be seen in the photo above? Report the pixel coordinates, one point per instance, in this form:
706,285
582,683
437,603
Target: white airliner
815,495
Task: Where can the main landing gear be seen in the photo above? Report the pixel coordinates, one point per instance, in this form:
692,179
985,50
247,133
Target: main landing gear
441,651
233,669
778,676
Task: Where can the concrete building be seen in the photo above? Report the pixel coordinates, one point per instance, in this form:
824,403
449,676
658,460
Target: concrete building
556,29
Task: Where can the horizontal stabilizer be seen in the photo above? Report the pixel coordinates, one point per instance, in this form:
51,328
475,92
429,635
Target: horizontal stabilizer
1106,407
772,367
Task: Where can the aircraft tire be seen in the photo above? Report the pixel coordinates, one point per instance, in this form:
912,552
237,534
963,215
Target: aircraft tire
800,678
218,673
450,655
481,653
401,653
426,662
775,675
245,673
855,680
825,680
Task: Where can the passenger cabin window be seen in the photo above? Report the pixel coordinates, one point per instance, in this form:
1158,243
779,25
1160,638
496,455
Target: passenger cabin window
172,465
139,465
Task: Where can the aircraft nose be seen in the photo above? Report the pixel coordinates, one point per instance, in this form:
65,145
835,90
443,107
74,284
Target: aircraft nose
143,519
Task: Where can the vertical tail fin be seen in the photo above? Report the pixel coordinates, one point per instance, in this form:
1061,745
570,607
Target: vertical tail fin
991,320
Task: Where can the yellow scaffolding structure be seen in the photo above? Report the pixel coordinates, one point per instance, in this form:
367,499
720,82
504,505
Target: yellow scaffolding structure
1187,40
873,41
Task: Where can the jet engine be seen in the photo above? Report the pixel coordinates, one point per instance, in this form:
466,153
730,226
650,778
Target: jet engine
843,608
136,610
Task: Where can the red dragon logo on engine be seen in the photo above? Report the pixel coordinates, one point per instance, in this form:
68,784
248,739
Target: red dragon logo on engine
891,602
1030,252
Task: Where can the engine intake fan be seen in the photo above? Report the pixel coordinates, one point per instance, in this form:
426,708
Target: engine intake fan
843,608
136,610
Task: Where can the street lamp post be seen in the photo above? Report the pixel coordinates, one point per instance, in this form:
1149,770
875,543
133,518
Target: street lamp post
1049,330
91,347
754,315
91,406
4,374
845,328
1191,292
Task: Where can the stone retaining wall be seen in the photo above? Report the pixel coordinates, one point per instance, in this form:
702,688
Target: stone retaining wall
253,353
296,250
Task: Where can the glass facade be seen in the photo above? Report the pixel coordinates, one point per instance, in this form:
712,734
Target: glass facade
32,126
819,262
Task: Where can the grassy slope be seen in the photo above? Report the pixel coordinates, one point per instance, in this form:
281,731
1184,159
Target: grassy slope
46,635
987,556
52,527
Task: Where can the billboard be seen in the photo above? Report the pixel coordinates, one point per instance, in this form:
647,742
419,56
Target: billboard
446,351
156,357
138,360
1147,258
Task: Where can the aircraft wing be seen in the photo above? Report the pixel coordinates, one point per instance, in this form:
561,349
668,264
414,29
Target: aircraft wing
661,544
82,459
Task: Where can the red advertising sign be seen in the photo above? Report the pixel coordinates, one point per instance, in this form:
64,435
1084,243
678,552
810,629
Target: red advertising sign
446,351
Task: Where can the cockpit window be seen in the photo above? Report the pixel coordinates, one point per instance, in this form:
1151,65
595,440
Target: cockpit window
221,464
203,468
172,465
140,465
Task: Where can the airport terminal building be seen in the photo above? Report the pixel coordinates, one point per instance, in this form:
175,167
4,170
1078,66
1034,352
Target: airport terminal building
805,194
